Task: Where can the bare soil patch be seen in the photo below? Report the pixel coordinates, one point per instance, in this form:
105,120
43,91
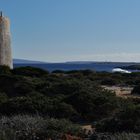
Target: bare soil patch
120,91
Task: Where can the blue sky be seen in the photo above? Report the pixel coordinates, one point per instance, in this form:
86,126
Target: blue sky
74,30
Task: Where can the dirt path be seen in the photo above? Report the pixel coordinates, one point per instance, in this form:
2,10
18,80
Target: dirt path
87,127
124,92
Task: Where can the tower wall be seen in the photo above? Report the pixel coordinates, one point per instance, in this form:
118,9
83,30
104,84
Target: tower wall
5,42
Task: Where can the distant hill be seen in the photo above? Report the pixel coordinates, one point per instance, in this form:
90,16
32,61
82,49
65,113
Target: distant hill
22,61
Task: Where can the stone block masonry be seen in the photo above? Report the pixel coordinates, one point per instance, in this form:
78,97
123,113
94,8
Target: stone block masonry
5,42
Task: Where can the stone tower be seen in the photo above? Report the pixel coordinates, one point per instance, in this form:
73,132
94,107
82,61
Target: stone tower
5,42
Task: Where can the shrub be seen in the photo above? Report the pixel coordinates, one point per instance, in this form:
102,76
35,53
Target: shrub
29,128
5,70
15,85
108,81
29,71
127,120
136,89
93,105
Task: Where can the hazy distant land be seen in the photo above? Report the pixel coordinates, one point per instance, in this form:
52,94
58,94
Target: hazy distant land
76,65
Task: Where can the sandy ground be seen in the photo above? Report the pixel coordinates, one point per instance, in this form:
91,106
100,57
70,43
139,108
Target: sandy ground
87,127
124,92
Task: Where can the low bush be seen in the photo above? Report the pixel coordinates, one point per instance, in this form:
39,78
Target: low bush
29,71
34,128
127,120
136,89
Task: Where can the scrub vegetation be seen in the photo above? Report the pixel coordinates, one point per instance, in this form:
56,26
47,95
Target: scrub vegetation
35,103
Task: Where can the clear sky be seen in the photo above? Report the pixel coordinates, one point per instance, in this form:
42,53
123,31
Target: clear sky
68,30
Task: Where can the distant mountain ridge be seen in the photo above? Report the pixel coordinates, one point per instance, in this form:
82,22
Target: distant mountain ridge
23,61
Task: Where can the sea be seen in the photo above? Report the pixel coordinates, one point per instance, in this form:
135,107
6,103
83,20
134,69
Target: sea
67,66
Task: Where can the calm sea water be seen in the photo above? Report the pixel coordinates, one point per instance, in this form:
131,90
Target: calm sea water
97,66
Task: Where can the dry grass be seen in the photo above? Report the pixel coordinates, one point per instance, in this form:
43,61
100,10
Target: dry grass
34,128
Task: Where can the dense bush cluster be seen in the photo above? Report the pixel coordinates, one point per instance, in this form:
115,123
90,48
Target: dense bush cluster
77,96
136,89
58,95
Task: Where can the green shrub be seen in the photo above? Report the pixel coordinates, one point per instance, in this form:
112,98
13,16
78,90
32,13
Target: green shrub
108,81
29,128
29,71
127,120
5,70
136,89
93,105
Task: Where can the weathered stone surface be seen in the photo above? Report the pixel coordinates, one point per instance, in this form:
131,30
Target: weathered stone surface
5,42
